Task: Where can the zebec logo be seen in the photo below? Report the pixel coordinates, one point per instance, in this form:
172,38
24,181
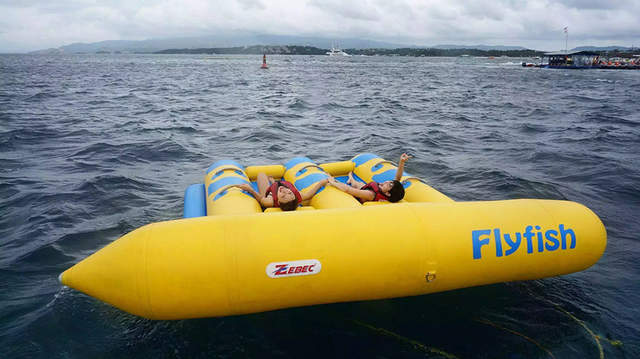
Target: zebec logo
293,268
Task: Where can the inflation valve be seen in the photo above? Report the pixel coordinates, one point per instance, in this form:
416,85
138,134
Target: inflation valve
430,277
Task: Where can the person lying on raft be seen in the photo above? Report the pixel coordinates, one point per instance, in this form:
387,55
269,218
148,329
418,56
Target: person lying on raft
281,193
391,191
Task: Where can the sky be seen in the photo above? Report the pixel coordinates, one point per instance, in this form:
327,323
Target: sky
27,25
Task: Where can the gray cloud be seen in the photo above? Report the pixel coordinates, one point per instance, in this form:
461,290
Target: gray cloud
36,24
252,4
346,10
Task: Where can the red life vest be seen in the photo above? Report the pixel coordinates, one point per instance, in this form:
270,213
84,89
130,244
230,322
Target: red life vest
373,186
273,189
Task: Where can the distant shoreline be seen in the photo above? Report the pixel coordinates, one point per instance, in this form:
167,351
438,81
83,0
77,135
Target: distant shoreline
310,50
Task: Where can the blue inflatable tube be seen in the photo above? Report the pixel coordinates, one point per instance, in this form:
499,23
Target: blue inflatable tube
194,201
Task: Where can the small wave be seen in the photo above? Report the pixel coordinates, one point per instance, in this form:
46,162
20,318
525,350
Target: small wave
41,96
532,128
94,149
508,185
537,113
176,129
275,148
463,118
152,111
152,151
43,259
611,120
298,104
107,193
583,98
220,85
129,96
336,106
97,102
30,136
273,133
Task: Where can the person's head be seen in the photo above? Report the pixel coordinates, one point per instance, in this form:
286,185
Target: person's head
393,189
287,200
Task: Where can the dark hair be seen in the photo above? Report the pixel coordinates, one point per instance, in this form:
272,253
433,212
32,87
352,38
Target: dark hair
291,205
396,192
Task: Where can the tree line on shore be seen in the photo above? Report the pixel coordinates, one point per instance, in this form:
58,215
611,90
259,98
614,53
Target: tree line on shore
310,50
408,51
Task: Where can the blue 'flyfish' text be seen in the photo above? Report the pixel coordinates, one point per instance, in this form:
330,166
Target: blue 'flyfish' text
536,239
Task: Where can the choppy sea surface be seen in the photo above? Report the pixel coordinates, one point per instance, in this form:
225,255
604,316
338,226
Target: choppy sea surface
94,146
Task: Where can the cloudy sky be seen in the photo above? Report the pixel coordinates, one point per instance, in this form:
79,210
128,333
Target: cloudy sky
27,25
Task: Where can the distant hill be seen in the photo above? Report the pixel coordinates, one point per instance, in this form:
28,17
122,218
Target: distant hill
421,52
251,50
479,47
239,39
51,51
223,40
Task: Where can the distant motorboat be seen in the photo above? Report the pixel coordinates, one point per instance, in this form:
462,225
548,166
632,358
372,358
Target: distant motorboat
336,52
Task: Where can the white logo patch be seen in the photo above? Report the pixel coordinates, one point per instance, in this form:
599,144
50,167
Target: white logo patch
294,268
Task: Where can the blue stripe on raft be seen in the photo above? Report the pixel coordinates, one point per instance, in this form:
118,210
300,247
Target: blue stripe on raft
226,191
308,167
406,184
220,173
360,159
224,182
294,161
223,163
195,204
377,167
309,180
342,179
388,175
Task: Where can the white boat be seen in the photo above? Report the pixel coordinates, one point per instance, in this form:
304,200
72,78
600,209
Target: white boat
335,51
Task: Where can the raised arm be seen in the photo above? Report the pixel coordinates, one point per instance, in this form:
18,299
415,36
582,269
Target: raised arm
264,201
315,189
403,158
360,193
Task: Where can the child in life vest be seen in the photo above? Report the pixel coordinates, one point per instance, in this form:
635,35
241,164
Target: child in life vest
281,193
391,191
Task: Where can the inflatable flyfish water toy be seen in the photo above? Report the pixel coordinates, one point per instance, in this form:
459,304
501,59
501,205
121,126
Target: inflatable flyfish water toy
228,256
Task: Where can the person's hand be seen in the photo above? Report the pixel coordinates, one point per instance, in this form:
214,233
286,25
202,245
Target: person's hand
404,157
325,181
331,181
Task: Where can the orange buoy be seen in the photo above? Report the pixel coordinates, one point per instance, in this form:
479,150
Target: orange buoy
264,62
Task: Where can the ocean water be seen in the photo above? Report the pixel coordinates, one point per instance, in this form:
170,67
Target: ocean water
94,146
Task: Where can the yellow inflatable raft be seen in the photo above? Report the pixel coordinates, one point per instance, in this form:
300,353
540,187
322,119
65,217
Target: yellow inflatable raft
228,257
